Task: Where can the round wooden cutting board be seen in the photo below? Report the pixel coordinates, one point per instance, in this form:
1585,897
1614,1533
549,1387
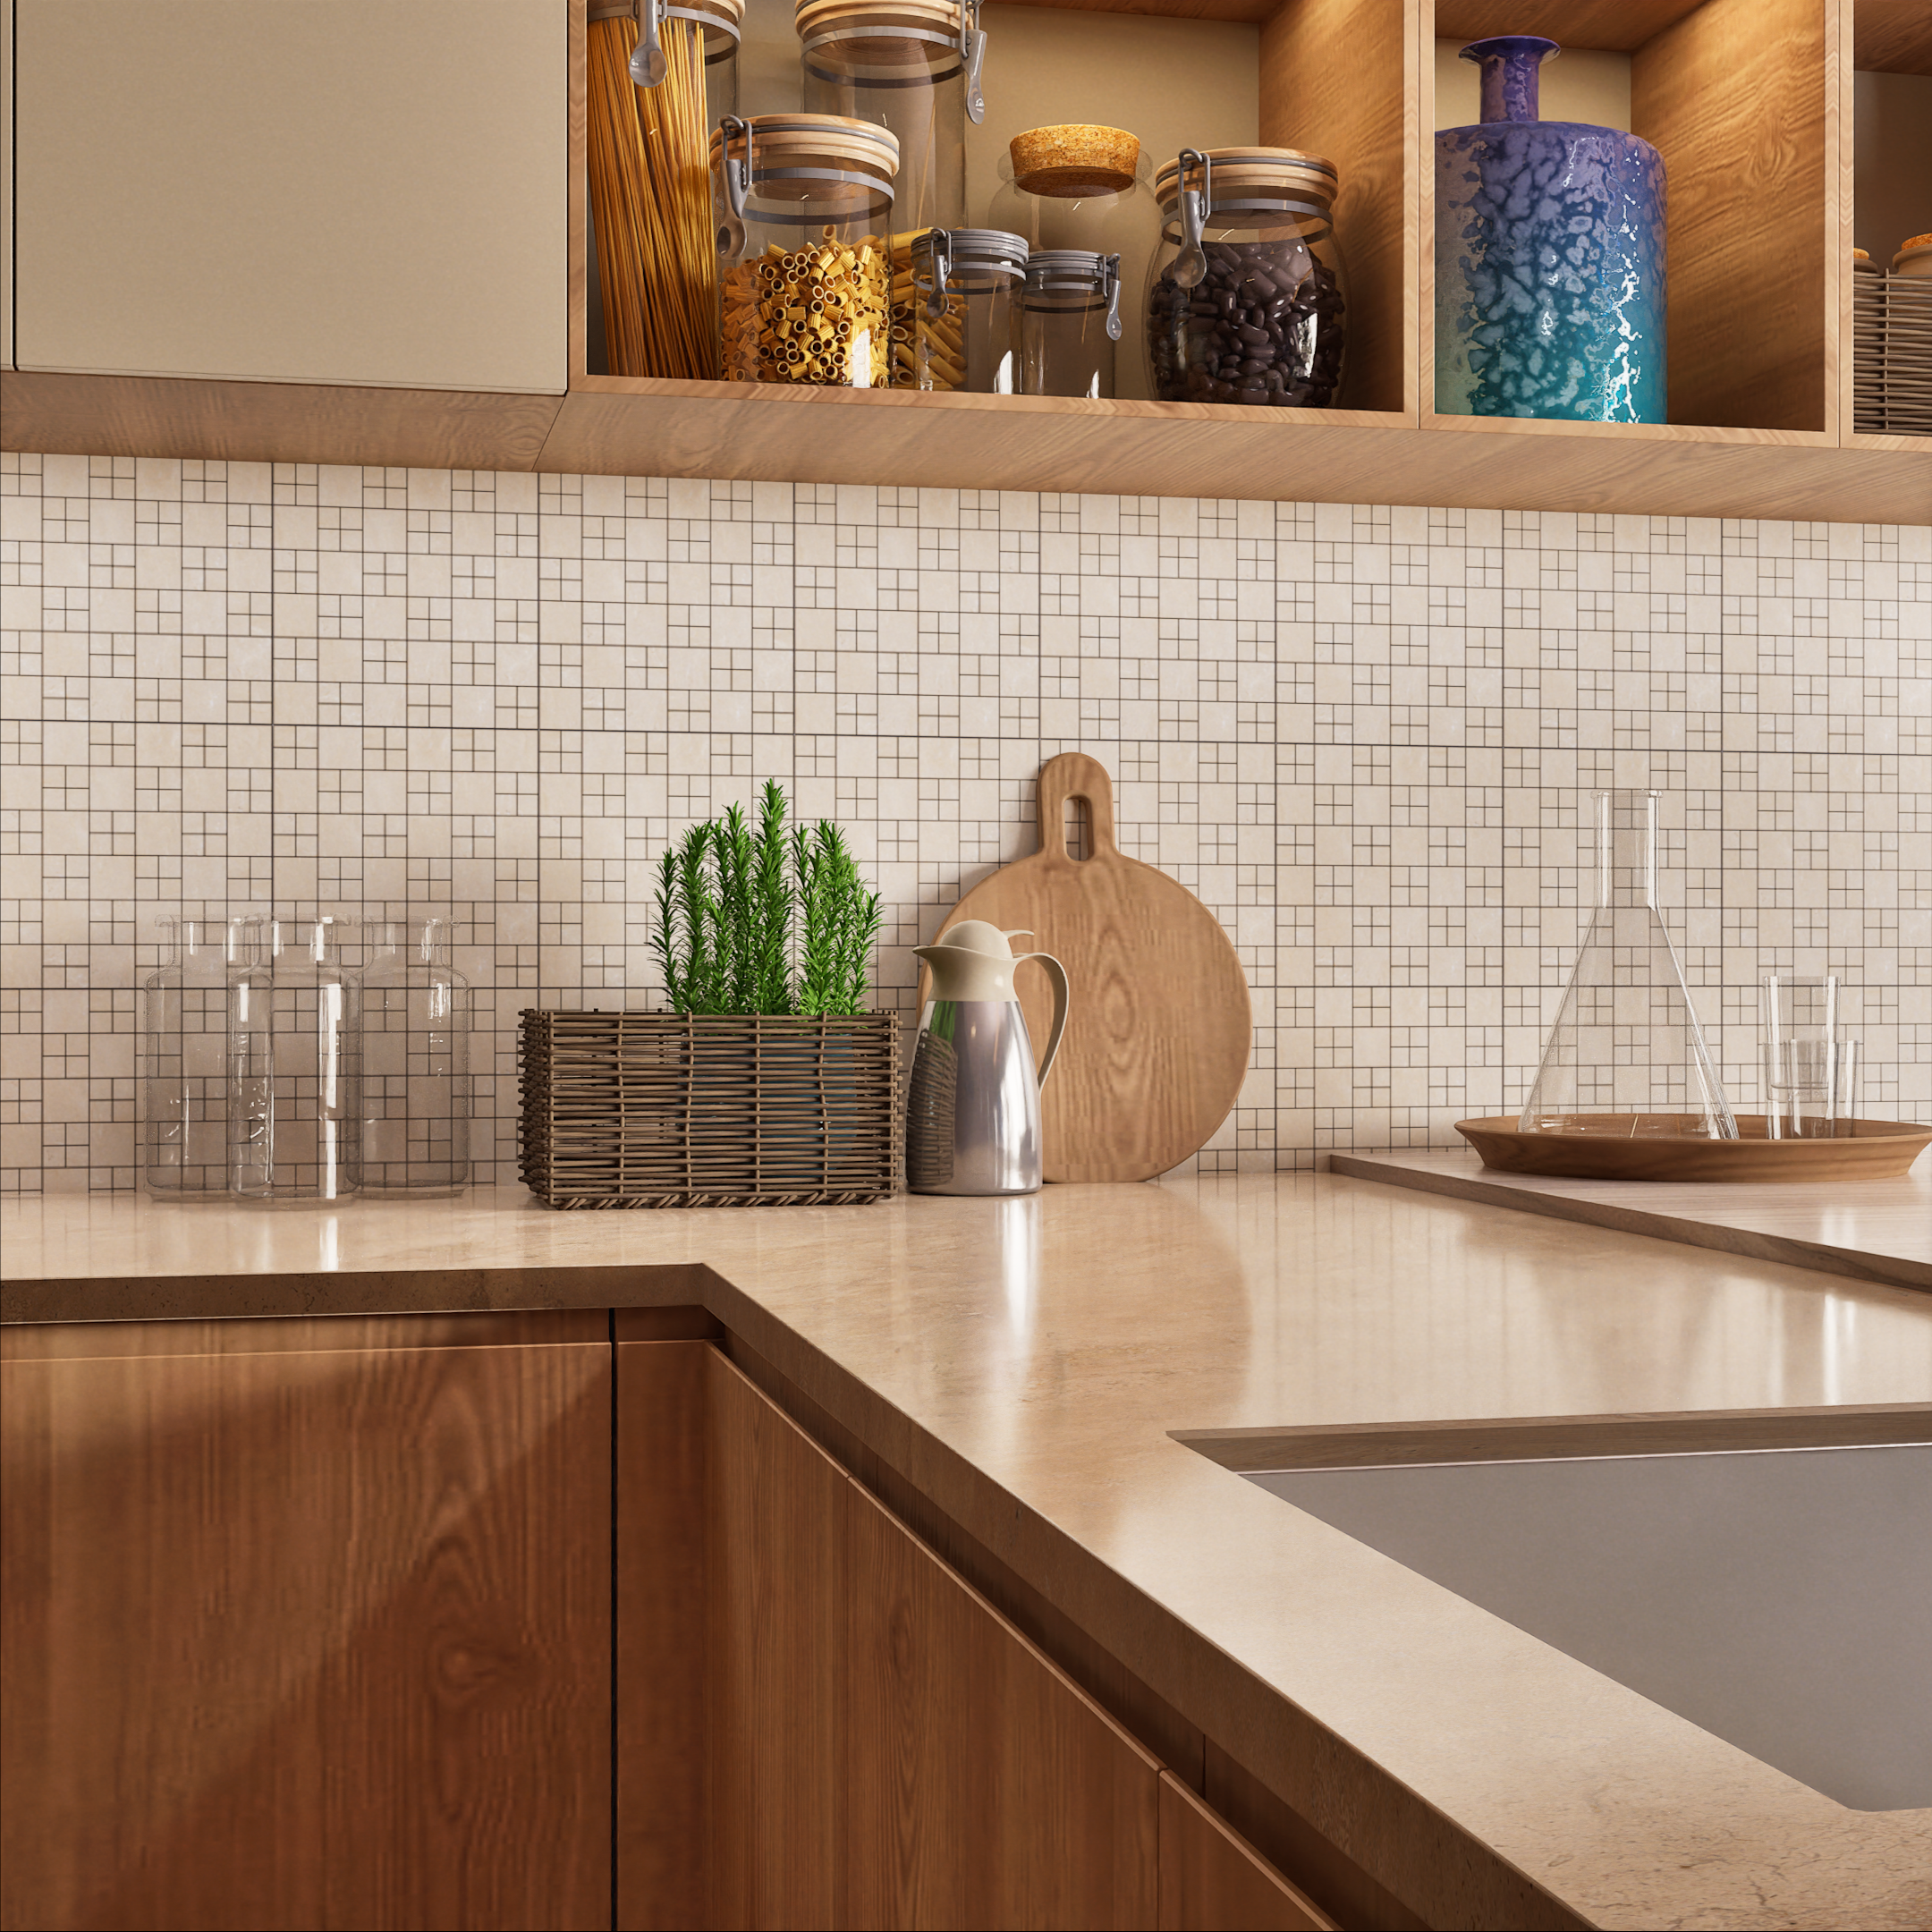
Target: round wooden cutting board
1159,1024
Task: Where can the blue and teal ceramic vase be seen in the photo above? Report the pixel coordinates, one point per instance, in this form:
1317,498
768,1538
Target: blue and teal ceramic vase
1549,258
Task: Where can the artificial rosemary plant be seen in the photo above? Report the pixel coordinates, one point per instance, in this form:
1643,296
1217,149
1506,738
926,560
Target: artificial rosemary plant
768,920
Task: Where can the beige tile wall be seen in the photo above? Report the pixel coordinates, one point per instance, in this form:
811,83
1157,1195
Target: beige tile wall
1361,735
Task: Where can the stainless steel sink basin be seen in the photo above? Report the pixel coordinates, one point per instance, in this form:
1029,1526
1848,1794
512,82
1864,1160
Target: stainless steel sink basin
1780,1597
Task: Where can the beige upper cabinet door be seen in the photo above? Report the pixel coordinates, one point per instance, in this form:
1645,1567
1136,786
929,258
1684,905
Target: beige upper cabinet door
368,191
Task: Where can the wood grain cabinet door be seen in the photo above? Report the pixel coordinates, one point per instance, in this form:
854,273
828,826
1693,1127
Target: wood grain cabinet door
1213,1880
306,1638
335,191
887,1749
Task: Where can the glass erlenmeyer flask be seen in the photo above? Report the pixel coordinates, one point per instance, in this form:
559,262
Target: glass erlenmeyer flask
416,1098
1626,1054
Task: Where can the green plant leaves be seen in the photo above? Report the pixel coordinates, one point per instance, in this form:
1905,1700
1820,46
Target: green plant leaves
766,921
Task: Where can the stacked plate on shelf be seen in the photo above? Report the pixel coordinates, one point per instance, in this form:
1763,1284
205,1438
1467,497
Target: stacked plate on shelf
1892,350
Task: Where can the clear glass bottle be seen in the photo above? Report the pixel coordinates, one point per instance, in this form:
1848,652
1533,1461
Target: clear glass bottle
909,65
294,1067
416,1089
1071,324
184,1071
1247,294
1625,1054
805,208
965,295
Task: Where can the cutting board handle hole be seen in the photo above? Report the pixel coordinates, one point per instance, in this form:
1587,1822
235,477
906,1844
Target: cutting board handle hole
1077,828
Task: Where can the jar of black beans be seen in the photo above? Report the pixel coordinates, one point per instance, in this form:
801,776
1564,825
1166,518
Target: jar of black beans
1245,298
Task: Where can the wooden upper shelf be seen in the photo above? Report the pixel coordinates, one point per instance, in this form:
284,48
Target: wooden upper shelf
1891,35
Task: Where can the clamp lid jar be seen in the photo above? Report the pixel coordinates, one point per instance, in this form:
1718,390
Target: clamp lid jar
1246,290
804,249
1071,324
909,65
658,78
963,297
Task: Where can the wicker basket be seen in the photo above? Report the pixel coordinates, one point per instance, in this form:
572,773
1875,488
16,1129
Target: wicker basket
671,1110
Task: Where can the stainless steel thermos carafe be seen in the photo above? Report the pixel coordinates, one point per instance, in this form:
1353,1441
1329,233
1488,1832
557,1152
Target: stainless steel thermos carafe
973,1111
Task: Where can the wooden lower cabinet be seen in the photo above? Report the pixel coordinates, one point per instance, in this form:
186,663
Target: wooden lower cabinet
883,1748
299,1634
1213,1880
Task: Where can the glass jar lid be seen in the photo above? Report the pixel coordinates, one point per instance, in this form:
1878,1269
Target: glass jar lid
723,20
982,247
831,167
938,38
1265,178
1075,278
1073,161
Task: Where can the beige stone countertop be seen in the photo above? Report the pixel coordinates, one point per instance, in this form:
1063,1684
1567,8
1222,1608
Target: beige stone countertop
1021,1362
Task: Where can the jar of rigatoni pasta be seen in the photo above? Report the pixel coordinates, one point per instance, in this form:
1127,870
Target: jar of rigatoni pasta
804,205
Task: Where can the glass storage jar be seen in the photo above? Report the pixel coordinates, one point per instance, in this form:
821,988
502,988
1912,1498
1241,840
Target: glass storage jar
184,1075
965,293
1246,292
294,1066
804,249
909,65
1071,323
659,78
1073,187
416,1093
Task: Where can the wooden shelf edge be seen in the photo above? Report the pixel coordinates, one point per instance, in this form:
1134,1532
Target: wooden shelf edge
1175,450
611,428
1709,433
58,414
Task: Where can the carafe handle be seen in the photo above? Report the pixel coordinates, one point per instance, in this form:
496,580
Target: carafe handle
1056,973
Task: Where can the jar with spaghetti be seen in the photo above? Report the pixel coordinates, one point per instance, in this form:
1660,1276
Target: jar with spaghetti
1246,292
909,65
660,76
804,249
1071,323
963,294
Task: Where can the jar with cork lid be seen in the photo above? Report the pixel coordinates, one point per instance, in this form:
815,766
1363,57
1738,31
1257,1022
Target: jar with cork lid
805,206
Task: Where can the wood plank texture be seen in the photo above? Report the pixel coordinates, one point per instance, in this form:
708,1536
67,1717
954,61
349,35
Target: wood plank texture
1734,98
321,1334
890,1752
1159,1024
769,431
662,1634
1249,11
272,422
1362,113
1891,37
1212,1880
307,1639
1619,26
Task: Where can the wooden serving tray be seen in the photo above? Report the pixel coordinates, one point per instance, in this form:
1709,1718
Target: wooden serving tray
1872,1150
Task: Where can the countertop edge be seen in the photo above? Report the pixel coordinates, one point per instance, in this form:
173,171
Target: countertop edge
1888,1271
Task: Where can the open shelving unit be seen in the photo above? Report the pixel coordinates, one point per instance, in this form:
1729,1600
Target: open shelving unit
1749,102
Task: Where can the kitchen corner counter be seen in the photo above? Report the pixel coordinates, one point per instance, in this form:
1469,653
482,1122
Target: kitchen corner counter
1021,1363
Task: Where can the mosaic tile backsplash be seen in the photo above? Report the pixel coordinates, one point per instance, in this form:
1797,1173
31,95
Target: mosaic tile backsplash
1365,737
